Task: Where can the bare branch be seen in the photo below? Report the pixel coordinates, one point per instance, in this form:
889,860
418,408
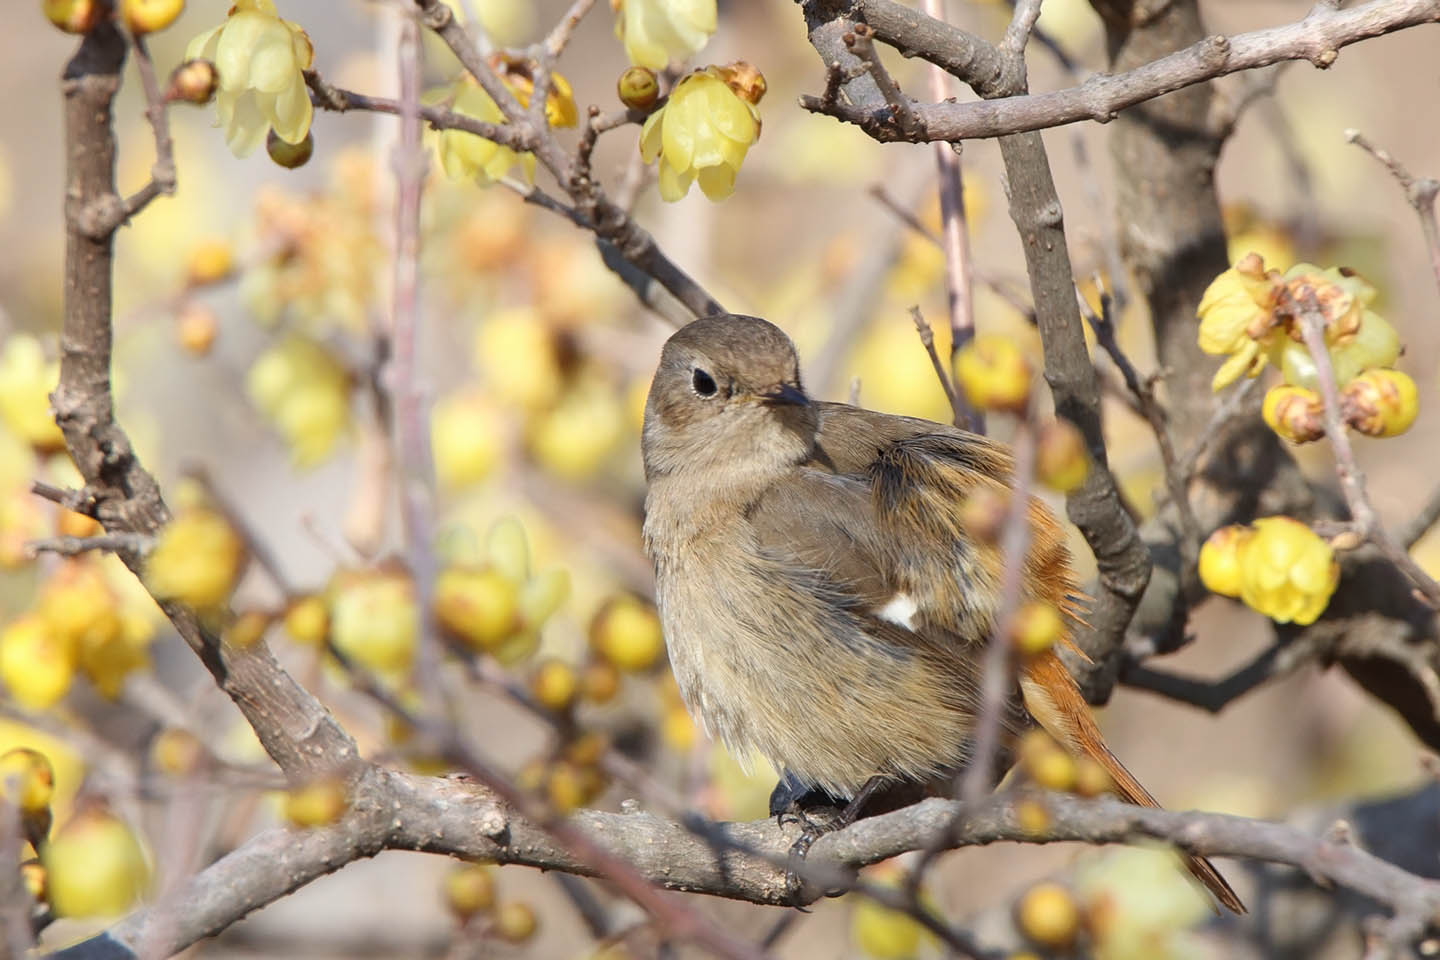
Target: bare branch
1420,192
75,546
742,861
1317,38
956,243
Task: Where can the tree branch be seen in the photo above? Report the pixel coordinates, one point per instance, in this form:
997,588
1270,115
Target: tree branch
1317,38
739,861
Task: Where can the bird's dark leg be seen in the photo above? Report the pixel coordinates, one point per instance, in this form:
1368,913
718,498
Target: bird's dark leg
793,797
814,829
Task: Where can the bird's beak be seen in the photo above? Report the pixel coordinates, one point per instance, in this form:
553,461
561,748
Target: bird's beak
786,395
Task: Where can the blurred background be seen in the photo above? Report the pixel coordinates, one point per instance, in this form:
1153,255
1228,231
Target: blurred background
537,360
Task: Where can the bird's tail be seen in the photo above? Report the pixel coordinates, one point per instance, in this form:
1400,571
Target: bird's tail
1054,700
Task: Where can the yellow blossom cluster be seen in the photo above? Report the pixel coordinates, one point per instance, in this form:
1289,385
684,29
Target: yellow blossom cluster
1276,565
305,394
87,619
1250,315
319,256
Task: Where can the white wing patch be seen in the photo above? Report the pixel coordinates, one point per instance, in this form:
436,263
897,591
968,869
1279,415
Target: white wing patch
899,610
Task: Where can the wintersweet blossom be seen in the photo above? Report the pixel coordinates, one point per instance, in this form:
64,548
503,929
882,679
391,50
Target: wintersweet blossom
704,130
1287,572
260,59
657,31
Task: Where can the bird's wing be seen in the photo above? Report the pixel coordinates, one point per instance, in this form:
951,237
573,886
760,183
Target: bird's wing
920,475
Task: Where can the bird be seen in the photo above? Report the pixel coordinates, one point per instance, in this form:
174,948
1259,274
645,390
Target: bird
823,601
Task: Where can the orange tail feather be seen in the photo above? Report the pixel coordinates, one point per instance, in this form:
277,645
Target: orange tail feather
1054,700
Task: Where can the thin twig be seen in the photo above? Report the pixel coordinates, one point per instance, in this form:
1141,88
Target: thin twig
860,42
956,245
565,29
409,418
927,339
1421,193
1022,24
106,542
997,679
1149,407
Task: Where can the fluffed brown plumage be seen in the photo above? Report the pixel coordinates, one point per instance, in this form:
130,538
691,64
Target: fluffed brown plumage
823,600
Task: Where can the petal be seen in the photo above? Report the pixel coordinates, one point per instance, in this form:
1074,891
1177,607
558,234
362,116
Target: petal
272,61
650,139
728,113
249,122
293,113
203,46
717,182
681,123
674,184
238,42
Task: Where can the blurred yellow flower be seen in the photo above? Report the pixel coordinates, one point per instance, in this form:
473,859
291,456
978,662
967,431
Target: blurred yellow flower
197,560
1220,559
657,31
701,133
259,58
324,257
1287,572
467,437
466,156
26,379
305,393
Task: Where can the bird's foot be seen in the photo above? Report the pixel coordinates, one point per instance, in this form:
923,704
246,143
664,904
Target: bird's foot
819,813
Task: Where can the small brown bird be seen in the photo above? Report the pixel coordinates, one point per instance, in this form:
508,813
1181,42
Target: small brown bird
822,599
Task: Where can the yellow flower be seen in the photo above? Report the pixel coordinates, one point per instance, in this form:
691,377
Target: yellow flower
1236,318
26,380
197,560
515,72
701,133
657,31
1286,571
260,58
305,393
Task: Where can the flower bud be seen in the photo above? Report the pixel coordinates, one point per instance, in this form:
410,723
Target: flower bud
316,804
194,81
515,922
1036,628
994,373
76,16
1295,413
289,155
1061,462
638,88
554,684
147,16
196,327
1047,914
469,889
1380,403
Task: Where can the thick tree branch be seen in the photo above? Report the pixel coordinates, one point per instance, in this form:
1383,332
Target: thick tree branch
740,861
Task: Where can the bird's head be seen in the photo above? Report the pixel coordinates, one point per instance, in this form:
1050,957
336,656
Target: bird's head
727,396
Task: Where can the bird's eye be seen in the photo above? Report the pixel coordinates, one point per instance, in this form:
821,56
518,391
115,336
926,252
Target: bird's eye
703,383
